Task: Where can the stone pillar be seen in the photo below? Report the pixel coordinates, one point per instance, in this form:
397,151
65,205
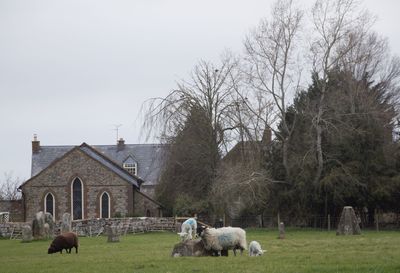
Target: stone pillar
66,223
281,230
112,233
26,234
348,224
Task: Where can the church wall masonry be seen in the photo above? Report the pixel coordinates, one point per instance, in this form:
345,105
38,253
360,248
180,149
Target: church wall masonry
96,179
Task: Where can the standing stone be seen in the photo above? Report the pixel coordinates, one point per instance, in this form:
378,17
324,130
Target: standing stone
50,228
66,223
281,230
112,233
38,226
348,224
26,234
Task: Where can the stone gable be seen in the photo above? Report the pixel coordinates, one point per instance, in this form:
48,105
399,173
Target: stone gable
96,179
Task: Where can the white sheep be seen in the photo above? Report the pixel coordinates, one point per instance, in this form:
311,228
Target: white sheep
224,238
188,229
255,249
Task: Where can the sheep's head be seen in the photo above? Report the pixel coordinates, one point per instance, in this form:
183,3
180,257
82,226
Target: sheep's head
51,250
261,252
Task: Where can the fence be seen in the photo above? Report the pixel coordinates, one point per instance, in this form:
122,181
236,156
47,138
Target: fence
321,222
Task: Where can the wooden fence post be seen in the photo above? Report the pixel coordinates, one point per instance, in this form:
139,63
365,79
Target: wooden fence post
329,222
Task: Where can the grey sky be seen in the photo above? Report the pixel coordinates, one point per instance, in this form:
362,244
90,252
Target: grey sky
69,70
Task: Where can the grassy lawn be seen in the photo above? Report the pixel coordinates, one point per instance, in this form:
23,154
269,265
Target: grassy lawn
301,251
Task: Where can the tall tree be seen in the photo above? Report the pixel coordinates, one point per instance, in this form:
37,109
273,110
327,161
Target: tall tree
333,22
191,164
270,57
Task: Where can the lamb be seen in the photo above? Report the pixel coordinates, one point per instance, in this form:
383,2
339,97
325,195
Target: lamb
65,241
188,229
223,239
255,249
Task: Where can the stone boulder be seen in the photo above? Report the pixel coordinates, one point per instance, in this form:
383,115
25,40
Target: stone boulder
190,248
349,223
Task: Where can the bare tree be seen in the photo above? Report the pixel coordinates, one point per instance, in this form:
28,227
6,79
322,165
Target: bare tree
210,88
272,67
333,25
9,187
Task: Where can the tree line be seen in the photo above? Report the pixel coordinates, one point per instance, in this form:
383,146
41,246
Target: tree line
323,84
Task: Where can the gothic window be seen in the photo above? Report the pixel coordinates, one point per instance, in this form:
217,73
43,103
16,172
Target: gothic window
49,204
77,199
105,205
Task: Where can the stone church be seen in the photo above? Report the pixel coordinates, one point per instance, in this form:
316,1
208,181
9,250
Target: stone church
99,181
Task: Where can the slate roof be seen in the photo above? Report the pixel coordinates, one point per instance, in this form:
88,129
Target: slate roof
149,158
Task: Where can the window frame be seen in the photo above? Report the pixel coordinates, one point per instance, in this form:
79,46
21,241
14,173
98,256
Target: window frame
101,205
82,198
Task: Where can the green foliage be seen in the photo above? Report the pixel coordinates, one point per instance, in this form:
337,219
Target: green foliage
191,164
359,164
188,206
301,252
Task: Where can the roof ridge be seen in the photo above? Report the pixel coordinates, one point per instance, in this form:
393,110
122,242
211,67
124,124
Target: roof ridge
110,160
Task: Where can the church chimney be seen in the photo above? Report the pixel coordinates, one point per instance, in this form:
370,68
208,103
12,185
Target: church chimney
120,144
35,144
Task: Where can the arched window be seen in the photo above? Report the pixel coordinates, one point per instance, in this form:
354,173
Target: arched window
49,204
105,205
77,199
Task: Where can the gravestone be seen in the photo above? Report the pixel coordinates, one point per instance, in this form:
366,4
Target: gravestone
26,234
66,223
38,231
112,233
348,224
190,248
281,230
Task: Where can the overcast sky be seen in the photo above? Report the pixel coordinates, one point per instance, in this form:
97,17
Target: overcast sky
71,70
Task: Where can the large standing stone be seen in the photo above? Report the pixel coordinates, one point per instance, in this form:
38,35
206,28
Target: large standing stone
348,224
26,234
281,230
112,233
191,248
66,223
38,230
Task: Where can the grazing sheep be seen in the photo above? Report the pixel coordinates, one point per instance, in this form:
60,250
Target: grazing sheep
188,229
255,249
64,241
223,239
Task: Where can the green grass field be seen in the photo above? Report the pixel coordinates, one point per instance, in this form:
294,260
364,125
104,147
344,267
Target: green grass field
301,251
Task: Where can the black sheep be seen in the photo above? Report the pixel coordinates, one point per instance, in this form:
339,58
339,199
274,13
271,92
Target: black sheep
65,241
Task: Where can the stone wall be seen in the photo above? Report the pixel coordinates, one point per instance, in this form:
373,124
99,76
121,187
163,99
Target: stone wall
145,206
14,207
96,227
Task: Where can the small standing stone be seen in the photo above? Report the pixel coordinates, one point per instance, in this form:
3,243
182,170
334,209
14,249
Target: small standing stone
348,224
26,234
281,230
66,223
38,226
112,233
